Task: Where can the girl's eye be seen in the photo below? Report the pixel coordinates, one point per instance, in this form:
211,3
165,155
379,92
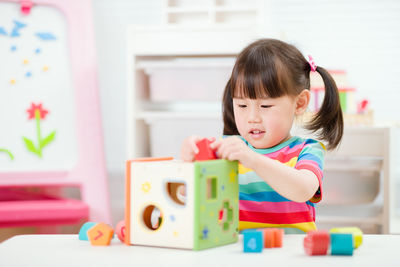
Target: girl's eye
242,106
266,106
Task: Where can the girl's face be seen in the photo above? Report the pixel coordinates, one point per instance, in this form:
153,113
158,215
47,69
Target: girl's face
265,122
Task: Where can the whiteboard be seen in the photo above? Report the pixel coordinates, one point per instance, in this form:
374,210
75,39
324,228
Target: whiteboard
35,81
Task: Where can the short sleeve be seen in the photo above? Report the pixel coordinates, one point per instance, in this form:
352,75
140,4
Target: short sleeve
311,158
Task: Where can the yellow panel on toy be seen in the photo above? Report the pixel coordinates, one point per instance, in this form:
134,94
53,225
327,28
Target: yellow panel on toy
188,205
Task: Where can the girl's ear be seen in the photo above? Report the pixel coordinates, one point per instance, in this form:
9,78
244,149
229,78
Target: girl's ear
302,101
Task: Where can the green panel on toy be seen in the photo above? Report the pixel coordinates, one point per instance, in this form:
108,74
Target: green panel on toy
216,214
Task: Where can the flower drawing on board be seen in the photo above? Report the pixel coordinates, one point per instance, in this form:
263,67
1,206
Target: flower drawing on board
38,113
8,152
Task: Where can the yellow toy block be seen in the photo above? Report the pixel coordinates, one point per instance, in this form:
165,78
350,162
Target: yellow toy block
355,231
100,234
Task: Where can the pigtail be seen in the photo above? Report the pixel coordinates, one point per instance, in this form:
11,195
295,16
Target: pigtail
227,111
329,119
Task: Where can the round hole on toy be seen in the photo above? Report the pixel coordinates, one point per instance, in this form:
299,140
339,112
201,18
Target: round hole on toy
177,192
152,217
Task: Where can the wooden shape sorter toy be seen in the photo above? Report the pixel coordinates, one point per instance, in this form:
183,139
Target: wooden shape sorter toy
188,205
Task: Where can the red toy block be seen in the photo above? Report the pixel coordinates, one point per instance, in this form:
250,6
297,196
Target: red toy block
120,230
205,152
317,243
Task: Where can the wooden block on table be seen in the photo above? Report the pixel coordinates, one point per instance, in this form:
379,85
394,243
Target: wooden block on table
253,241
84,229
101,234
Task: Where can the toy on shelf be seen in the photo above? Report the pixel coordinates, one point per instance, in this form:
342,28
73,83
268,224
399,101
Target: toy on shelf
205,151
342,241
254,240
190,205
355,112
99,234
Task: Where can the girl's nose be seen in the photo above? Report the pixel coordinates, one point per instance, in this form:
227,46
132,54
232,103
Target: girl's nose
254,116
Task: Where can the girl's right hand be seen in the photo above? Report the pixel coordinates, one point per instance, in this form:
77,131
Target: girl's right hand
189,148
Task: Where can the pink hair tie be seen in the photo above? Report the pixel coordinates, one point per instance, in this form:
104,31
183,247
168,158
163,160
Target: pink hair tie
312,63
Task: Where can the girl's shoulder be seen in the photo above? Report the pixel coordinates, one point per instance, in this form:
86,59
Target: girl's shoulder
311,146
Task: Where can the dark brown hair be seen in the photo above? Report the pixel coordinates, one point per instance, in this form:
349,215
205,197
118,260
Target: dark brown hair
272,68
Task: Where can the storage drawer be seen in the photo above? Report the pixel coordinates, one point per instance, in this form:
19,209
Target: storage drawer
182,84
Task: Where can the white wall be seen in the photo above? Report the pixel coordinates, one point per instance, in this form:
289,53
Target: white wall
111,18
361,36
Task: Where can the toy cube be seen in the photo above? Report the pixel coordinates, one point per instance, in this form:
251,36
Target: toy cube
253,240
100,234
189,205
355,231
273,237
341,244
316,242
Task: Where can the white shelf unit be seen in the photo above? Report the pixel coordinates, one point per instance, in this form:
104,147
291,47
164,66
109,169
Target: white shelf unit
156,128
185,49
360,180
213,12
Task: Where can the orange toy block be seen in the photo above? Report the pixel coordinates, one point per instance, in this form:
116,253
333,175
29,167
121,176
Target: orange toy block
273,237
100,234
279,233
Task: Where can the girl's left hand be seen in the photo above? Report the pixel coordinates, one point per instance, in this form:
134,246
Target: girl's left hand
233,148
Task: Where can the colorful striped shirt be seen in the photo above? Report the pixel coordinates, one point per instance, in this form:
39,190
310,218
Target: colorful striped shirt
261,206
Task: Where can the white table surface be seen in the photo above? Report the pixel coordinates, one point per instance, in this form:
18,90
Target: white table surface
67,250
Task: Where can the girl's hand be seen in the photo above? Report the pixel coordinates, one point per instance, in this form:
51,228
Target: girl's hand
189,148
233,148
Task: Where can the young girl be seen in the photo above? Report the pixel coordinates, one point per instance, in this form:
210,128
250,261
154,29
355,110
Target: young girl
280,175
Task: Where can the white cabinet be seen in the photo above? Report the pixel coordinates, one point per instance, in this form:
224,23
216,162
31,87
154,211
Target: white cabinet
188,67
176,76
360,186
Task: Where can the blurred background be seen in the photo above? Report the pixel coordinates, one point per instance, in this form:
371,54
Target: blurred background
357,40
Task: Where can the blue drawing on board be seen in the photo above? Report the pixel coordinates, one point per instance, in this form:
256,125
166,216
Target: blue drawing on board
2,31
45,36
17,26
38,50
13,48
28,74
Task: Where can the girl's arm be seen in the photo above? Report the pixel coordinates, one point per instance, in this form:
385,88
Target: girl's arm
293,184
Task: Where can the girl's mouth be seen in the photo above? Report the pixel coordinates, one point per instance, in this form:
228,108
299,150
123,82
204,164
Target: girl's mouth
256,134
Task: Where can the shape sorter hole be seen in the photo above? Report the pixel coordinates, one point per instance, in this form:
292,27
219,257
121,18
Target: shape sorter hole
211,188
225,215
152,217
177,192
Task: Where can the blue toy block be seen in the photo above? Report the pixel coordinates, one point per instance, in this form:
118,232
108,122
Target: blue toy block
84,229
253,241
341,244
